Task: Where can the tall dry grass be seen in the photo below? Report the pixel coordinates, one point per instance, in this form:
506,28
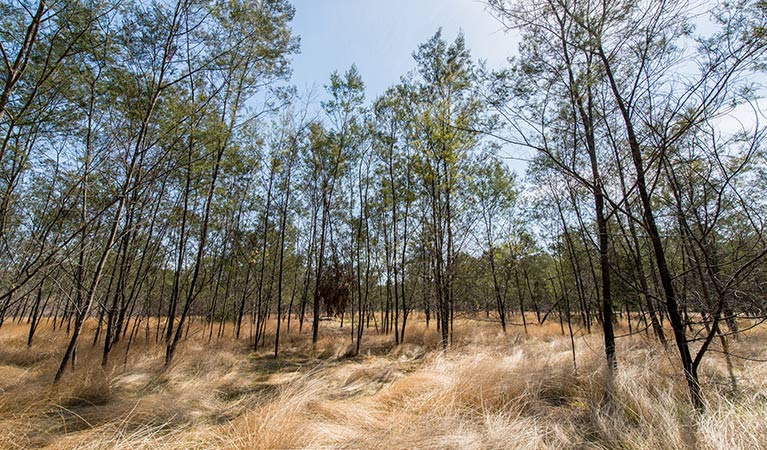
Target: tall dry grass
488,391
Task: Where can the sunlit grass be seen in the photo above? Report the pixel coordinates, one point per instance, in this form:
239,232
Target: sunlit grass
489,390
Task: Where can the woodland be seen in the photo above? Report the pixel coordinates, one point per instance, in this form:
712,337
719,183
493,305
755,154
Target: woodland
178,223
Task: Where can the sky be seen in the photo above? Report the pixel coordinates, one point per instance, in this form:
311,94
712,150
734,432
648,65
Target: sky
379,36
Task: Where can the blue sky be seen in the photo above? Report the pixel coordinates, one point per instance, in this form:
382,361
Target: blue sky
380,36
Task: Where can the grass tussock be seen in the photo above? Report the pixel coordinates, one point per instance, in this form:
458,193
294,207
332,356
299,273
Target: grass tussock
488,391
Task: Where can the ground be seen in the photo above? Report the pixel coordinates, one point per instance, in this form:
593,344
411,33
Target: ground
488,391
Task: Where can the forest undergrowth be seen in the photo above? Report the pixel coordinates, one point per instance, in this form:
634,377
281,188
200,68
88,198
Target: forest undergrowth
488,391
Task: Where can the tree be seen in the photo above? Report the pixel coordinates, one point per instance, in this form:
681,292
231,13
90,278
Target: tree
634,47
447,116
238,74
494,188
556,80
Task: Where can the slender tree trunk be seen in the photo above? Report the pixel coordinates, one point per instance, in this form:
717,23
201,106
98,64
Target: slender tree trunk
672,307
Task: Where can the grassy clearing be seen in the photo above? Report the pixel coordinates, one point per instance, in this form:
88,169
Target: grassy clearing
489,391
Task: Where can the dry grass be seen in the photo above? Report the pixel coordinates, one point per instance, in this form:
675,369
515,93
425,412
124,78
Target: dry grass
488,391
